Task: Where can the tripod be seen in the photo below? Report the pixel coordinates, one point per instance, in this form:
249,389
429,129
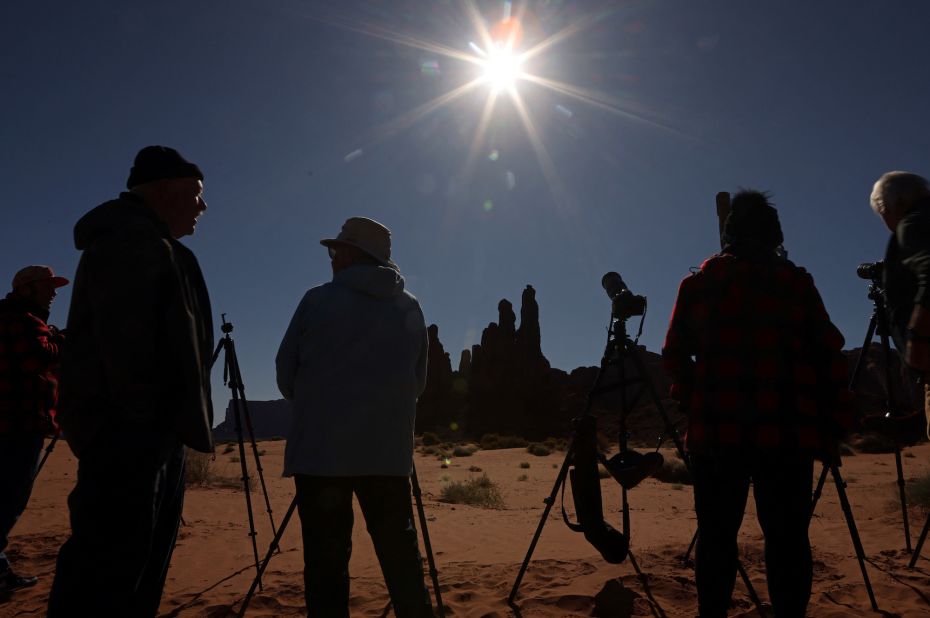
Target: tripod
45,456
418,496
233,378
620,349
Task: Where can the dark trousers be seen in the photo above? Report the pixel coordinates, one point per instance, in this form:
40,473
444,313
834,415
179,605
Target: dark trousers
19,458
326,518
782,489
125,511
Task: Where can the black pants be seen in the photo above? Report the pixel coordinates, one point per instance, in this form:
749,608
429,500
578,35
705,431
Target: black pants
782,489
326,518
125,511
19,459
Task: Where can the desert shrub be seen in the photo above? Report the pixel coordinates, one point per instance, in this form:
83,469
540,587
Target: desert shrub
275,438
430,450
462,451
234,459
493,441
909,455
198,472
229,448
444,465
523,477
674,471
474,469
556,444
525,465
871,442
429,439
538,449
197,468
480,491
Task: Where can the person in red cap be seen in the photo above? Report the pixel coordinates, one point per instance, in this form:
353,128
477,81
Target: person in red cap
29,349
135,388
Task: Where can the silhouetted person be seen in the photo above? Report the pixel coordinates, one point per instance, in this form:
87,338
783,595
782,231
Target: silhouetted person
902,200
757,367
135,388
353,362
29,353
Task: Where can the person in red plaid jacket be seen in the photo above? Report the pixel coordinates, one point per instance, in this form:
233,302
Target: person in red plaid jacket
758,368
28,394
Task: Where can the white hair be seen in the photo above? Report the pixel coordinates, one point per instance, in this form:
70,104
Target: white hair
898,191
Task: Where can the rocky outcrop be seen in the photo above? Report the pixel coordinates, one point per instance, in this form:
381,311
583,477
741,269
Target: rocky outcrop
438,406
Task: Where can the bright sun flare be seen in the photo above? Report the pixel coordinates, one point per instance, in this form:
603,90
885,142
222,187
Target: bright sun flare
501,68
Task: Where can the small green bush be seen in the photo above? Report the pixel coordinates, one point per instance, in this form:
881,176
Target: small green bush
674,471
523,477
234,459
493,441
525,465
556,444
462,451
430,438
480,491
229,448
538,449
474,469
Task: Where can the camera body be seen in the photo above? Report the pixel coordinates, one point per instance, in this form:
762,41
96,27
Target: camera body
871,270
625,303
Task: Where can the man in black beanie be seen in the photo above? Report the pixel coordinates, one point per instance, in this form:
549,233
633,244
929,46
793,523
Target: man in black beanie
135,388
757,367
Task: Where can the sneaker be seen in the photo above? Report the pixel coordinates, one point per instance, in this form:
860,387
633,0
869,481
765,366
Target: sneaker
10,581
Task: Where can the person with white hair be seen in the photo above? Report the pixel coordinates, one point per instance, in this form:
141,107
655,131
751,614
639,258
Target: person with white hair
902,200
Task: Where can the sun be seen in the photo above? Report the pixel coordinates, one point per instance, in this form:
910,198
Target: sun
501,68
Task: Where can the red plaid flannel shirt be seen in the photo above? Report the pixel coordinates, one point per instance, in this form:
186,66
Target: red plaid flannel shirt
28,371
755,361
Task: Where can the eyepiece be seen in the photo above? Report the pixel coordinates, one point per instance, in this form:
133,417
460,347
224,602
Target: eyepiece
871,270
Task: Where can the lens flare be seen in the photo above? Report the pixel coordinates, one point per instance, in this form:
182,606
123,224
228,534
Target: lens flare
502,67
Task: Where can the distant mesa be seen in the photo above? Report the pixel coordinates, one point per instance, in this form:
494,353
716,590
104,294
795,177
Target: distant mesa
505,385
270,419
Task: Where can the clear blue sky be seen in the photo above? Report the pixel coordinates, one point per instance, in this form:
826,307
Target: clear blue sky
809,100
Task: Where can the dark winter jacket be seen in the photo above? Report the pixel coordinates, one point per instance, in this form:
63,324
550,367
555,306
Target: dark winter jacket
140,332
907,269
29,351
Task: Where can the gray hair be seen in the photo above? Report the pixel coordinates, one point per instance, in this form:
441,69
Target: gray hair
898,190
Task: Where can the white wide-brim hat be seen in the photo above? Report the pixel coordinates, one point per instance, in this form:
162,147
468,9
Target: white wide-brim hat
365,234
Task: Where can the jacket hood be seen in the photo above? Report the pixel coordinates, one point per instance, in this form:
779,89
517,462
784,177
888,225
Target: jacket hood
377,281
111,218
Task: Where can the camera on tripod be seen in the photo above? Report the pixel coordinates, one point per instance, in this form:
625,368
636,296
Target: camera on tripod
871,270
625,303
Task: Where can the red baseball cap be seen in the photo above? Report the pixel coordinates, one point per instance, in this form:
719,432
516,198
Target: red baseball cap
31,274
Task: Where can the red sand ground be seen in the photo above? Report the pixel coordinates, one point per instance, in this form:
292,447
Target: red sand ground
478,551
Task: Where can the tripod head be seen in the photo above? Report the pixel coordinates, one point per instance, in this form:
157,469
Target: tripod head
227,327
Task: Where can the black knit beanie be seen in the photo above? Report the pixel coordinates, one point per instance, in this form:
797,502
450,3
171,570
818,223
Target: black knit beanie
752,220
160,163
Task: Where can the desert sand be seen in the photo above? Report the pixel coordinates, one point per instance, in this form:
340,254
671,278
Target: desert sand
478,551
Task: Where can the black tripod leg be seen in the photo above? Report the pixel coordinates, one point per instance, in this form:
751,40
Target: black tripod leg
550,500
920,543
237,376
48,451
433,573
853,533
818,491
245,474
257,582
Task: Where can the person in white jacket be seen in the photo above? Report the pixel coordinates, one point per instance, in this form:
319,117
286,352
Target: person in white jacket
352,364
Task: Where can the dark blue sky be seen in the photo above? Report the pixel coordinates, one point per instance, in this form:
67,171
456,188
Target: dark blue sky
274,100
